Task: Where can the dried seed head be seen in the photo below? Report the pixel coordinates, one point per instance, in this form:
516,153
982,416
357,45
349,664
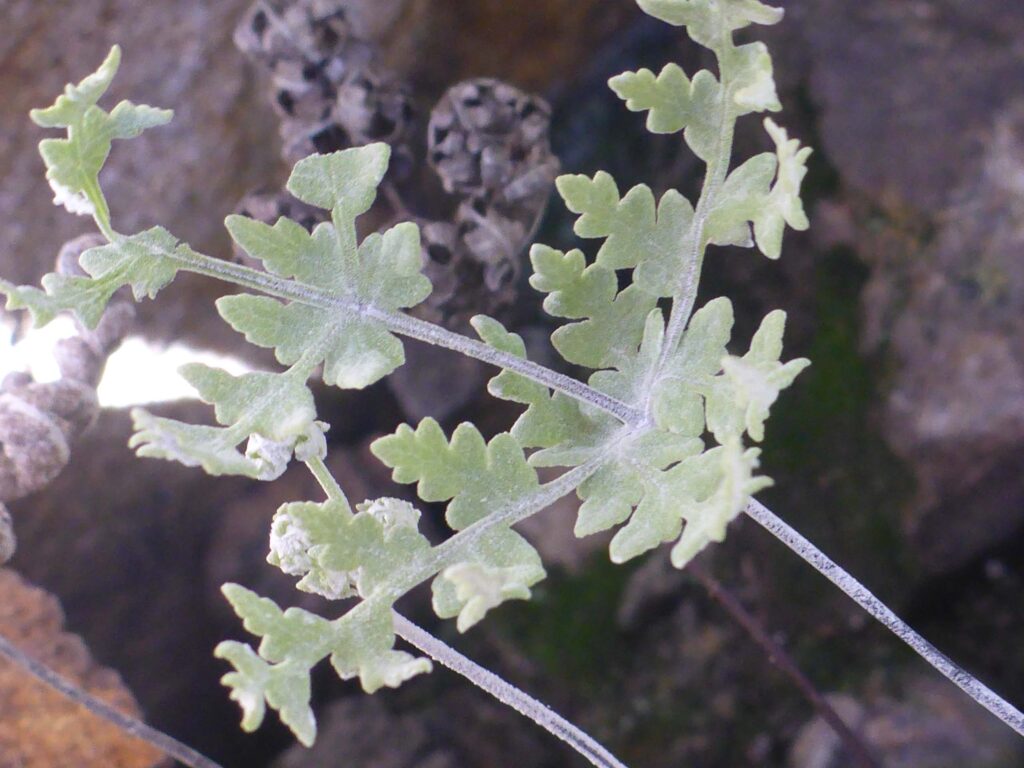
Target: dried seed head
485,135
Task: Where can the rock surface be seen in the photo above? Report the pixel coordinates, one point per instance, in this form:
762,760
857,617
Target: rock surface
186,176
40,728
930,726
124,557
921,113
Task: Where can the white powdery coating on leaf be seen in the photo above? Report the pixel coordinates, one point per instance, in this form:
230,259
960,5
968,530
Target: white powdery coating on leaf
392,513
72,201
289,546
334,585
273,457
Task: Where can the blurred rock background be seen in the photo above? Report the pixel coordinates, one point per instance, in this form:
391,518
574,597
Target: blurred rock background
900,452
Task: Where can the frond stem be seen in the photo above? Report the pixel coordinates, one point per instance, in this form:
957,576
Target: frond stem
694,246
136,728
861,595
506,693
327,481
403,324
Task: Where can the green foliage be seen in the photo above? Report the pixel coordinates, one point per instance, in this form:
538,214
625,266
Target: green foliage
73,164
709,21
636,234
293,642
675,103
653,444
340,554
477,478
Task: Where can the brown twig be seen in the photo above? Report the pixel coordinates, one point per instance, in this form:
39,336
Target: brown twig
778,656
161,741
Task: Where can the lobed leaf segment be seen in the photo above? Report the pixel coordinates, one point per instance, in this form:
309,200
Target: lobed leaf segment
655,443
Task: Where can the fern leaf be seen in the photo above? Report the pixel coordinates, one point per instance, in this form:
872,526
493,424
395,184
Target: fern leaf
383,272
360,643
741,398
675,103
275,413
678,391
340,554
476,478
638,234
143,262
73,164
705,20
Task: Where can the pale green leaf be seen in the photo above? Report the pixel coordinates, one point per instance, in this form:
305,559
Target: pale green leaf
76,99
752,81
741,398
360,643
73,164
554,422
346,180
730,471
666,97
477,478
742,198
293,635
340,554
675,103
707,20
288,250
356,350
145,262
274,412
613,321
475,475
470,589
364,647
688,371
704,493
635,472
254,684
749,195
783,205
610,494
637,234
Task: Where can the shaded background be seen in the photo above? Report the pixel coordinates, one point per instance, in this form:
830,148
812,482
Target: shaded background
900,452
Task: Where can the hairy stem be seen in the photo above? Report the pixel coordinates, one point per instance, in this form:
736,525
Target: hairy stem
161,741
453,550
778,656
694,246
403,324
506,693
861,595
327,481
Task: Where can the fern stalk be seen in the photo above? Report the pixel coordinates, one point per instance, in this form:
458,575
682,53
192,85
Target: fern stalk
166,744
685,296
507,694
406,325
861,595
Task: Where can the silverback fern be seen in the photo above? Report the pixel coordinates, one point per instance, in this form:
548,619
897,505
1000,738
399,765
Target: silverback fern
655,444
